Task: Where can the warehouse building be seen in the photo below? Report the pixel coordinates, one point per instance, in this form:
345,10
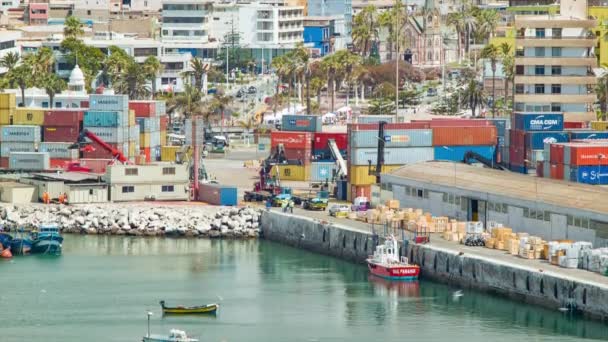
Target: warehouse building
162,181
80,187
552,209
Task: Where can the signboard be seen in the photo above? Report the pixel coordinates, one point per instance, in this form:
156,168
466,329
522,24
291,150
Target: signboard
387,138
261,147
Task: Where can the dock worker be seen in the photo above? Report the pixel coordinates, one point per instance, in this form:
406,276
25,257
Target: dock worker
45,198
284,206
291,205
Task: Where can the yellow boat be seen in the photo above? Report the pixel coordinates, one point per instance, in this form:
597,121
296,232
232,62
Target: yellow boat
186,310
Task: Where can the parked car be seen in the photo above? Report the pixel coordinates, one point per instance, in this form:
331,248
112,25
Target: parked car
252,90
339,209
211,91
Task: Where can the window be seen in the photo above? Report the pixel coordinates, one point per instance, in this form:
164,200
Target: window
425,193
445,197
45,104
539,89
601,228
168,170
547,216
165,32
128,189
540,33
556,52
57,104
556,107
168,80
539,70
556,32
167,188
420,193
88,12
7,45
526,212
490,206
131,172
519,70
519,107
90,192
556,70
570,220
142,52
505,208
457,200
451,199
519,89
174,65
539,52
556,89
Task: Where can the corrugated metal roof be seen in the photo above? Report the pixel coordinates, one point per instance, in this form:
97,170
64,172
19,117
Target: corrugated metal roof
67,176
509,184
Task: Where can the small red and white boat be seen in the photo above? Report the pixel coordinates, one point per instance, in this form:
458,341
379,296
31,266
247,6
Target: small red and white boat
386,263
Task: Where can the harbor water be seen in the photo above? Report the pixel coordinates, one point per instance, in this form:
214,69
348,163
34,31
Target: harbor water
101,288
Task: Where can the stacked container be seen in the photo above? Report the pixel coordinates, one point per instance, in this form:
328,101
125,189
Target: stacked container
152,122
582,161
8,104
61,129
18,138
297,147
301,123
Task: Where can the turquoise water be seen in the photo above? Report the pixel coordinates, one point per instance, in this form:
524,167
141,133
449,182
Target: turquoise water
101,288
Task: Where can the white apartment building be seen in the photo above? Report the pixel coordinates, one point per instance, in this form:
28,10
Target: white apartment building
8,43
142,5
185,20
6,4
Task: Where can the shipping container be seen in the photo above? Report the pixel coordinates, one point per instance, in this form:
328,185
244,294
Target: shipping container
392,138
368,119
591,135
96,165
155,139
360,191
574,124
6,116
292,172
533,157
321,140
538,122
359,175
518,168
504,155
132,121
8,146
218,194
143,109
8,101
114,103
457,122
63,118
4,162
164,122
21,133
168,153
585,154
539,169
301,123
147,125
396,126
326,155
456,153
457,136
29,161
58,163
502,125
163,138
60,133
100,152
146,152
109,134
291,139
161,108
392,156
590,174
304,155
546,169
556,153
84,104
341,190
28,116
517,156
104,119
517,138
557,171
599,125
321,171
537,140
59,150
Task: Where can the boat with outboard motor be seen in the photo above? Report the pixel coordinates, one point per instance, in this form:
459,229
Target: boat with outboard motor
386,262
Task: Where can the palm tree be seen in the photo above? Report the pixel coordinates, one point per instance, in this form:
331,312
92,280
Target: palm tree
248,125
220,103
53,85
199,69
601,89
386,20
113,65
188,102
473,96
41,62
456,20
330,64
9,61
72,27
152,67
282,67
508,66
364,29
487,20
132,81
492,53
21,76
316,85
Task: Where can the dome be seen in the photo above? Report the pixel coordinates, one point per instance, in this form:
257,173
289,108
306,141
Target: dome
76,77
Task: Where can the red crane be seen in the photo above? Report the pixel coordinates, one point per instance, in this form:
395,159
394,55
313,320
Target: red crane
83,145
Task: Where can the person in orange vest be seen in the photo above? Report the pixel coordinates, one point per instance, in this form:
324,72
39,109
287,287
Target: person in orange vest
60,198
45,198
65,198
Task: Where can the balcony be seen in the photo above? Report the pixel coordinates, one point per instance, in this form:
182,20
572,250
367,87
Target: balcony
528,21
555,98
556,42
181,14
555,79
563,61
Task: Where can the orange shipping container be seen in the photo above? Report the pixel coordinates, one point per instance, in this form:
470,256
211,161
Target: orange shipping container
588,154
464,136
145,152
361,191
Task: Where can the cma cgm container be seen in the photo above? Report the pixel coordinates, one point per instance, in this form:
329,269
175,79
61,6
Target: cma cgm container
118,103
21,133
60,133
322,171
538,122
584,135
392,156
537,140
7,147
29,161
291,139
59,150
457,136
392,138
218,194
63,117
301,123
94,118
143,109
456,153
321,140
589,174
585,154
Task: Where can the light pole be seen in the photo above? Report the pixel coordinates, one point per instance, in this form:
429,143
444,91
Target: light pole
150,313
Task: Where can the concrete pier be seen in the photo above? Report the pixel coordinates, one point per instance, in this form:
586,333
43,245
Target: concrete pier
531,281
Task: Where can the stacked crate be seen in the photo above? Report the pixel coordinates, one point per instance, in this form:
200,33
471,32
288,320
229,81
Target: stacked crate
61,129
152,122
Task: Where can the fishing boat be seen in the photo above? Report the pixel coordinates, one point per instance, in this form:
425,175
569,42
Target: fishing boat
387,264
5,253
174,336
186,310
21,244
47,240
5,239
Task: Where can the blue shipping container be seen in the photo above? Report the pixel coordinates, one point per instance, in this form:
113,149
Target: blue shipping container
590,174
342,191
119,103
537,140
588,135
501,126
538,122
301,123
393,138
456,153
321,171
518,168
218,194
104,119
392,156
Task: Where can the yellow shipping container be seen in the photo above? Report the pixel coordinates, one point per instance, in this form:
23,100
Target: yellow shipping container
167,153
144,140
359,175
5,116
132,151
163,137
28,116
8,101
131,118
292,172
599,125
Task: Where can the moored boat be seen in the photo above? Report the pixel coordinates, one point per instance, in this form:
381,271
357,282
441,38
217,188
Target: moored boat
21,246
185,310
47,240
5,239
386,263
5,253
174,336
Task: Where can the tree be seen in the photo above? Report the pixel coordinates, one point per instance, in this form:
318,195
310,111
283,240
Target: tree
456,20
386,20
41,63
89,58
21,76
364,30
487,20
220,103
199,69
132,81
492,53
381,107
113,65
9,61
53,85
473,96
72,27
188,102
248,125
508,67
152,67
601,89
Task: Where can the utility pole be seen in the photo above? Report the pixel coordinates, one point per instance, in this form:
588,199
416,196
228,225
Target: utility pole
397,10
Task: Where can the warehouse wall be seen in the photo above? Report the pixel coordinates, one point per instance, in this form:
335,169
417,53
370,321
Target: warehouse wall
143,192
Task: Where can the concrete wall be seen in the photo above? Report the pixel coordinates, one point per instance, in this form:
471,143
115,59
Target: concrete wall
520,283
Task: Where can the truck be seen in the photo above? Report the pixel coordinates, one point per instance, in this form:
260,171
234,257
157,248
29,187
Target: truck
317,201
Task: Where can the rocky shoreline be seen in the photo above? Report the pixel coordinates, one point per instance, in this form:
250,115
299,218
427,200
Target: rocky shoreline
137,220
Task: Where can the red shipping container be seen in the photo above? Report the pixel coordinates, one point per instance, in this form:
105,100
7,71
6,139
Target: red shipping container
304,155
60,134
539,169
517,156
459,122
291,139
588,154
517,138
145,152
557,153
63,117
574,124
321,140
84,104
464,136
100,152
96,165
361,191
557,171
143,109
374,127
4,162
58,163
164,122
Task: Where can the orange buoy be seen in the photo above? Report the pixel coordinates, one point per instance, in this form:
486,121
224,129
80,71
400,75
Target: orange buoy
6,253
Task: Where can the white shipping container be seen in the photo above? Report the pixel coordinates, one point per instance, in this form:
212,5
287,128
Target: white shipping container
155,138
21,133
7,147
59,150
114,135
392,156
161,108
118,103
29,161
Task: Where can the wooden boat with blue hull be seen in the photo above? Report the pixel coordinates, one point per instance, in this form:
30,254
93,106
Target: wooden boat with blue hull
47,240
189,310
5,239
21,246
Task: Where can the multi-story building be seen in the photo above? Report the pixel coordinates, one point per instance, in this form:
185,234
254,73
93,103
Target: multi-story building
37,13
325,34
8,43
554,61
7,4
324,8
185,20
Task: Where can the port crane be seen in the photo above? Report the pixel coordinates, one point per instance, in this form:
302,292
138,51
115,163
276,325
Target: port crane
84,146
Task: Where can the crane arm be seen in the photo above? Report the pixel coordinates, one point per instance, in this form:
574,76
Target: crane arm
93,137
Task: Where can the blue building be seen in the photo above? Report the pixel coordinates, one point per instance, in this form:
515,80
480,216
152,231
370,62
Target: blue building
325,8
317,35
